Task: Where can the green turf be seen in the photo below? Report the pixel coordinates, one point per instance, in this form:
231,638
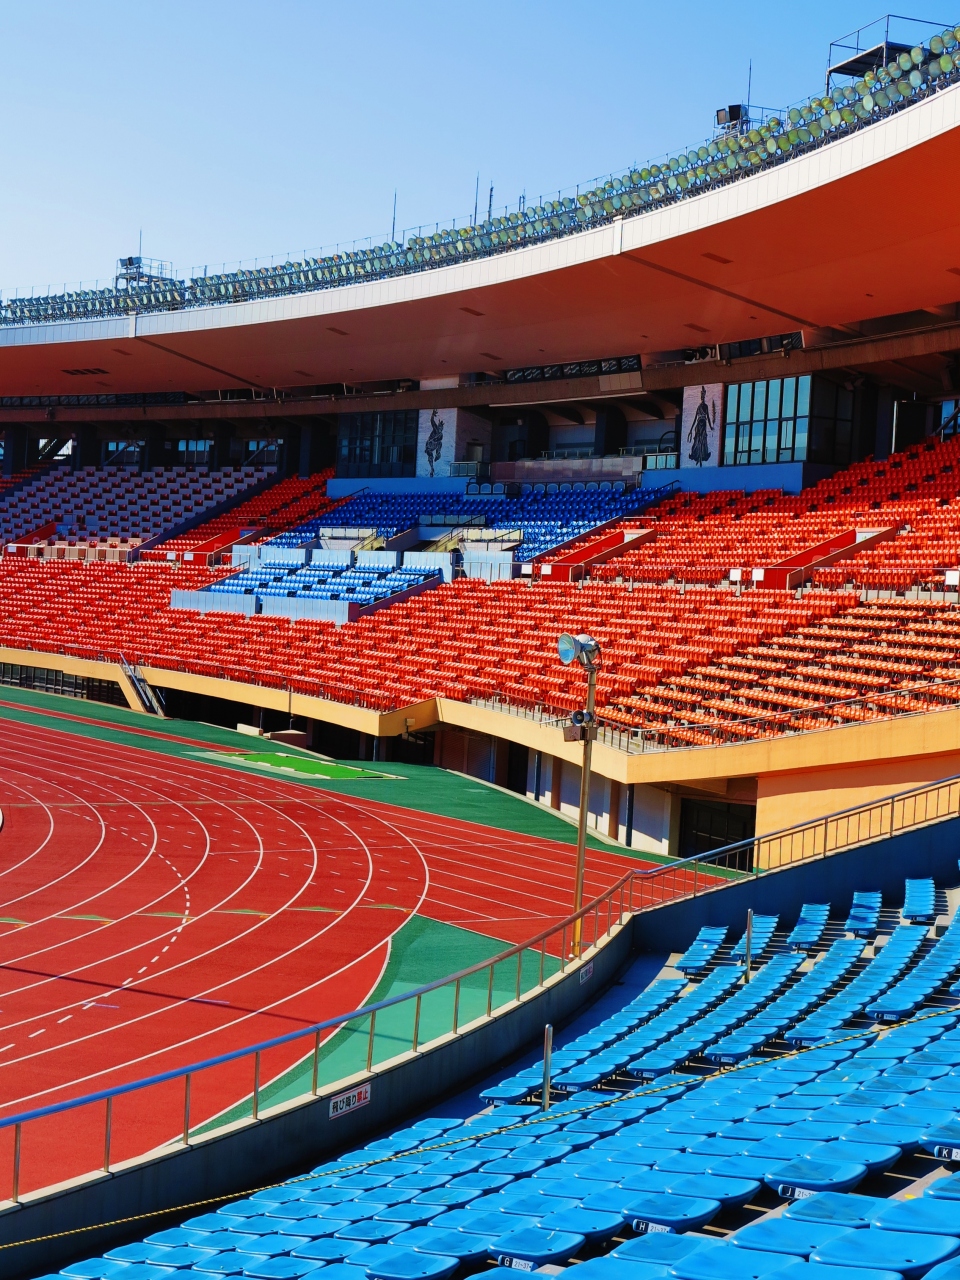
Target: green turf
288,763
434,790
421,952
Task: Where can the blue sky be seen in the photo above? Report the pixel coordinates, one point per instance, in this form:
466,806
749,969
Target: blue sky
227,130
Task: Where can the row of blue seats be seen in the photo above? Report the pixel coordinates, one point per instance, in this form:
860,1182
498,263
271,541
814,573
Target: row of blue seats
520,1188
315,583
546,519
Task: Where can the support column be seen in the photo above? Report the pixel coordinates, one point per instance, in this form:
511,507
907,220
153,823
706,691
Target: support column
613,823
556,781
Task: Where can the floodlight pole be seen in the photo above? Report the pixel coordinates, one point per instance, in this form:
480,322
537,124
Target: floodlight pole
584,805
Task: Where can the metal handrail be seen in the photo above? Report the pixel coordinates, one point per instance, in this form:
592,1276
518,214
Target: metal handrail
342,1019
685,878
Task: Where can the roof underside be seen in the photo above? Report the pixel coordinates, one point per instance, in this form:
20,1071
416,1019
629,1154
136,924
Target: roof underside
864,228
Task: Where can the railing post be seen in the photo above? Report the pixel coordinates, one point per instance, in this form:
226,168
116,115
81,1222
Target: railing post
256,1084
893,801
519,972
596,923
186,1109
15,1194
490,991
416,1025
106,1136
547,1062
563,950
456,1005
316,1064
373,1023
696,868
543,957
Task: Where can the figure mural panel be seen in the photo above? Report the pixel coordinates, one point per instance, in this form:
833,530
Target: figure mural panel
700,425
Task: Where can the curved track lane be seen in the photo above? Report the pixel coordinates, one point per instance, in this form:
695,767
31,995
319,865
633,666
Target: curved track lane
156,910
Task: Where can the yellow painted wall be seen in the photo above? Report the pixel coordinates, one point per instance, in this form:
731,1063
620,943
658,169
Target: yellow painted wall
785,799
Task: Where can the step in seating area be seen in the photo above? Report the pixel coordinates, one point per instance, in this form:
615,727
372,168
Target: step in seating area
68,513
835,1162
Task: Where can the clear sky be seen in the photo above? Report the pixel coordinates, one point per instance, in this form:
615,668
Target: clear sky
228,129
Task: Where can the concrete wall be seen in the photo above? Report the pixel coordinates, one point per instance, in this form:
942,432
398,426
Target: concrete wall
293,1137
928,851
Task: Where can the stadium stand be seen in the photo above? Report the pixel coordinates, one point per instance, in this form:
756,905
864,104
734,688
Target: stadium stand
546,519
72,513
913,76
646,1161
288,502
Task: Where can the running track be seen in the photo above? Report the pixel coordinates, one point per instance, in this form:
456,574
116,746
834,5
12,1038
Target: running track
155,911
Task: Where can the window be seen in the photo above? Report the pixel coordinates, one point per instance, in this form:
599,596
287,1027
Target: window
378,444
950,417
194,453
787,420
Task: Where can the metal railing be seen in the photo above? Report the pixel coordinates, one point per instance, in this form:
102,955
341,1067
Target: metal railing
821,838
175,1110
174,1107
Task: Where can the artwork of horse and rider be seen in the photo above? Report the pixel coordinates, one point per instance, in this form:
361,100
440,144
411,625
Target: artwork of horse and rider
700,426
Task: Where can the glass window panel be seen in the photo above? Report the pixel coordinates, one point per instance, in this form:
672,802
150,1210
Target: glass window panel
803,396
732,398
746,394
789,397
844,404
770,445
756,442
759,400
729,443
800,441
743,444
773,398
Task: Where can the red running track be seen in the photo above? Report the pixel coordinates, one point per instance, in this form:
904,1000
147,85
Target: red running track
155,911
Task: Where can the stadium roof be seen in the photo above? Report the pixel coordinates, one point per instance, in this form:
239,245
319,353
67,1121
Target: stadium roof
865,227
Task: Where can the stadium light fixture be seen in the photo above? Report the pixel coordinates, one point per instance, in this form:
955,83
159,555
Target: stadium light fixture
582,728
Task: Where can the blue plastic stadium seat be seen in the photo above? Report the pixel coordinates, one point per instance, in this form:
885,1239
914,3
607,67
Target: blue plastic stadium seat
925,1215
675,1213
905,1252
943,1189
785,1235
536,1245
919,900
329,1250
391,1263
613,1268
864,917
280,1269
808,1174
726,1262
832,1208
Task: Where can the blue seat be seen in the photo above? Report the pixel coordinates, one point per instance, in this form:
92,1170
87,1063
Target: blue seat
280,1269
729,1191
329,1250
661,1248
901,1251
536,1245
850,1211
943,1189
389,1263
945,1271
463,1245
137,1252
676,1213
925,1215
593,1224
786,1235
875,1156
229,1263
821,1271
808,1174
613,1268
726,1262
